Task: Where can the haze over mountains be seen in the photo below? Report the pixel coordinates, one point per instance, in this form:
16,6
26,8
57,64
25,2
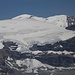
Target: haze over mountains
30,44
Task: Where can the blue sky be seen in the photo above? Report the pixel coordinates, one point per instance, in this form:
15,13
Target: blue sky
42,8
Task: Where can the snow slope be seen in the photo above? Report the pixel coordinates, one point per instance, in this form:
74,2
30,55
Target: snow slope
28,30
32,64
27,16
58,20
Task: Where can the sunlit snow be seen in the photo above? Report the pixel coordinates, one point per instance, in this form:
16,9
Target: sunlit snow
29,30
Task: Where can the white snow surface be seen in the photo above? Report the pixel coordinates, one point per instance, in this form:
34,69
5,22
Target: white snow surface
1,45
32,64
58,20
29,30
27,16
60,52
36,52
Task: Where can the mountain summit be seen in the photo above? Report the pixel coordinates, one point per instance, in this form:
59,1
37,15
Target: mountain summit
57,19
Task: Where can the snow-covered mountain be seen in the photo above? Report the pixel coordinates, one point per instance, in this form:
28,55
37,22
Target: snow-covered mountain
29,31
31,44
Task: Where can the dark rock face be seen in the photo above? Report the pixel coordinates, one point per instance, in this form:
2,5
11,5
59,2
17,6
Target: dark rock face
10,44
71,20
71,23
57,60
4,67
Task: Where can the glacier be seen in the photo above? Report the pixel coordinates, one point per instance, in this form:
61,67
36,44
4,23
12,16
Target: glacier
28,31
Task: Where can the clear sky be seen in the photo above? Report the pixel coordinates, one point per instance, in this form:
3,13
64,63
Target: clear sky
42,8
